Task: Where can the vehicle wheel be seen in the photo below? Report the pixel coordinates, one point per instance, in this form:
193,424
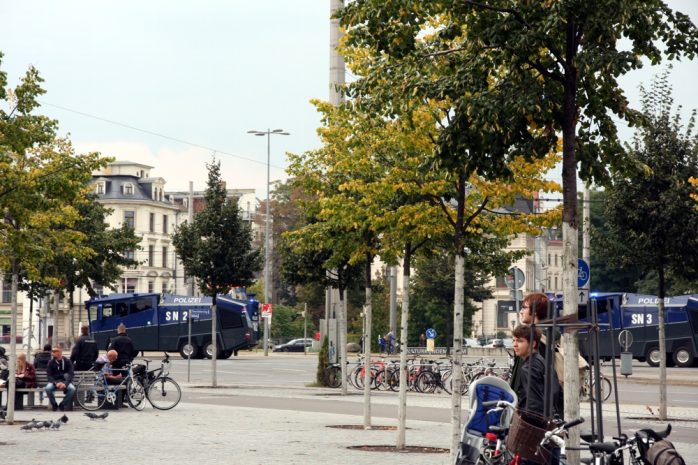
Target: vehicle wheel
135,394
208,351
164,393
652,356
187,350
91,393
683,357
605,389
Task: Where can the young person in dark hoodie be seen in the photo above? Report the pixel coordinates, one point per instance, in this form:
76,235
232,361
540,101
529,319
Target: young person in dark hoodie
530,384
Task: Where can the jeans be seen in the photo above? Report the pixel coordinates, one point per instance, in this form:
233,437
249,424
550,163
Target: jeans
69,393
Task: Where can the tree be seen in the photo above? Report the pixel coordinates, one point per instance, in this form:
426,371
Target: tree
216,248
555,64
651,220
41,182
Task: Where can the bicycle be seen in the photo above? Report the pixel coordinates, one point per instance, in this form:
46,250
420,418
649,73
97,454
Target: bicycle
612,452
588,388
495,452
162,392
92,394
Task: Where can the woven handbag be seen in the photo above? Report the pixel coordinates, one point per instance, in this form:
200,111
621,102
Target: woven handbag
526,431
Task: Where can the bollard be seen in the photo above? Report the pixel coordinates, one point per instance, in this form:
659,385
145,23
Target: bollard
626,363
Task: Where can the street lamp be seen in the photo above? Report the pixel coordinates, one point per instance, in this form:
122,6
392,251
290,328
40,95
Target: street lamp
267,258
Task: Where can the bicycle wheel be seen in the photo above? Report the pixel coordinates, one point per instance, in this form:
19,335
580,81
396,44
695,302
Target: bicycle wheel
164,393
446,381
135,394
394,380
605,389
91,393
426,382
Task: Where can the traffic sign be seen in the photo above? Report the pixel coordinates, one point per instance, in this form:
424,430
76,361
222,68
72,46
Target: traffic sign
582,273
583,296
515,278
431,333
266,310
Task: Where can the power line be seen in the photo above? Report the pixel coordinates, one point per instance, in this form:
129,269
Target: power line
157,134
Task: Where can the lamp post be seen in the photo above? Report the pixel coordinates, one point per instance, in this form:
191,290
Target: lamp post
267,252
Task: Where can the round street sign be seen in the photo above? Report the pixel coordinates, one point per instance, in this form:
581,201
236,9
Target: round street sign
431,333
582,273
515,278
626,339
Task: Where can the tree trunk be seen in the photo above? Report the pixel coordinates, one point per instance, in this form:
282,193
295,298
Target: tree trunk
457,355
12,361
662,347
342,339
570,236
404,318
214,342
368,310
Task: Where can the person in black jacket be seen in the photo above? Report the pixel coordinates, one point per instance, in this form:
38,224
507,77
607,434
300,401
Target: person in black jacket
85,351
41,358
123,345
59,373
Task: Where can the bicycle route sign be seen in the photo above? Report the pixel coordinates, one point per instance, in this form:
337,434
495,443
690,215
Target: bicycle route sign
431,333
582,273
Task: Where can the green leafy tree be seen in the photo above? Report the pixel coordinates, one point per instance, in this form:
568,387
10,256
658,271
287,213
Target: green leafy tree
510,67
643,208
42,181
216,248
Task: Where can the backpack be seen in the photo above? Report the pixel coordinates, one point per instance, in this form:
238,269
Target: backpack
663,453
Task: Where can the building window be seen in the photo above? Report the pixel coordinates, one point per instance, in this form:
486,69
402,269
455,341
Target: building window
151,286
164,224
151,255
128,189
164,257
130,254
556,262
130,219
128,285
99,189
549,262
164,287
556,283
152,222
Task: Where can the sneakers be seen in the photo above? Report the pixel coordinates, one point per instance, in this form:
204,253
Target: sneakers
54,407
61,408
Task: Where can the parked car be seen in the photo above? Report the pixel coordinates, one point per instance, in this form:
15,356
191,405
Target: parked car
472,342
497,343
508,343
294,345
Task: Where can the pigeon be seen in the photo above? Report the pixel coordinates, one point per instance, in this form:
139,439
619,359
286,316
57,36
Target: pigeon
47,424
27,427
55,425
63,419
97,416
38,425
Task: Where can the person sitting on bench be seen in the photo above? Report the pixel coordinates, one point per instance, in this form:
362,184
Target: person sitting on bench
25,377
59,373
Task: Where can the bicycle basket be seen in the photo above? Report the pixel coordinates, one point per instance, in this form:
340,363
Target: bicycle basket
138,370
526,431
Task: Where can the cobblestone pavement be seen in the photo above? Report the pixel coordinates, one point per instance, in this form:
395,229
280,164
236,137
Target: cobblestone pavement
201,434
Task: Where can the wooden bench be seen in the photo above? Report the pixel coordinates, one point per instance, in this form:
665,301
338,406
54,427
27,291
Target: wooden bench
41,381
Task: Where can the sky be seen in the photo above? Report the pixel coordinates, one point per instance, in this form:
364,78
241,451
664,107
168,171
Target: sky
168,83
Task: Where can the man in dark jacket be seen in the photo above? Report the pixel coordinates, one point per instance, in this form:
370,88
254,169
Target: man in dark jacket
59,373
123,345
85,351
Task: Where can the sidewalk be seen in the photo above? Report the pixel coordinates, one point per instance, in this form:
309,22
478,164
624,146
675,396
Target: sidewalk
213,434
